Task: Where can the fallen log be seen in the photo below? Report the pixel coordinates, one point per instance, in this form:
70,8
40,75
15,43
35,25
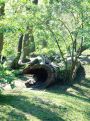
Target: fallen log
45,74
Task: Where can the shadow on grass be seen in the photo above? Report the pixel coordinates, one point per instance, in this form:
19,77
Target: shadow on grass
82,92
31,107
16,116
82,88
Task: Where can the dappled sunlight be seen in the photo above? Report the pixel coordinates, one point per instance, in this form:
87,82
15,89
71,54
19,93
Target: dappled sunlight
58,103
44,60
42,105
30,106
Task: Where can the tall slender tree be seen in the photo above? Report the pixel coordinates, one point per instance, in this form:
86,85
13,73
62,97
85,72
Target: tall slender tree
15,64
28,40
24,45
2,6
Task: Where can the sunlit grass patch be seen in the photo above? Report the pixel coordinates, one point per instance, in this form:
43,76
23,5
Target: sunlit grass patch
57,103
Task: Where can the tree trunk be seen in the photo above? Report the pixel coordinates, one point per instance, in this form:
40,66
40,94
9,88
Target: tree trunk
35,2
25,47
1,33
28,42
28,45
1,44
14,64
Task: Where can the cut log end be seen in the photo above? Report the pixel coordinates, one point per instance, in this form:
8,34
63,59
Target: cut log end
42,74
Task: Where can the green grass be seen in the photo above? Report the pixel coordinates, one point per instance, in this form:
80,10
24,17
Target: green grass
58,103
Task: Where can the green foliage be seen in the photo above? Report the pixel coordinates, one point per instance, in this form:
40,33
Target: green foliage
10,44
63,18
6,77
60,23
2,1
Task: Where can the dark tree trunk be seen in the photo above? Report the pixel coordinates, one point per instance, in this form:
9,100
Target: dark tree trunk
35,1
26,45
1,33
14,64
1,44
